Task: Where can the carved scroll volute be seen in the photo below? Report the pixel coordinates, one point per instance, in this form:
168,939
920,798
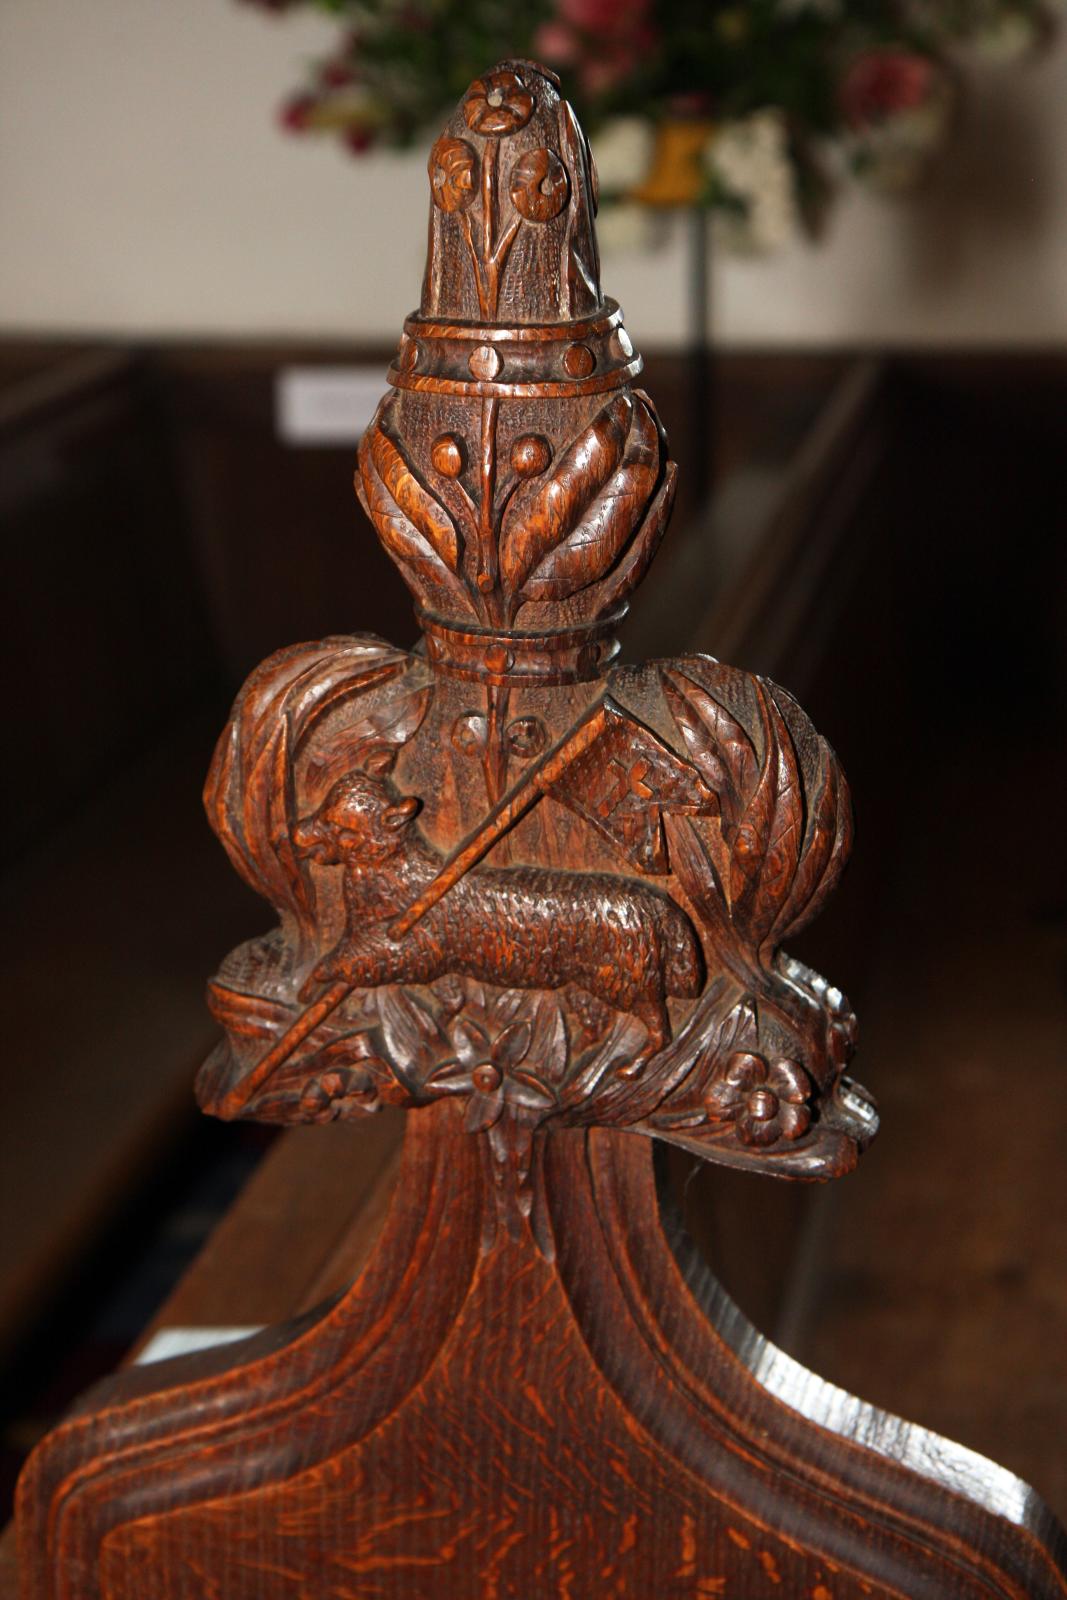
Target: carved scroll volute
509,870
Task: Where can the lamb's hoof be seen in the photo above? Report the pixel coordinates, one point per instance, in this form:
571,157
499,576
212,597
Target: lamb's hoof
312,984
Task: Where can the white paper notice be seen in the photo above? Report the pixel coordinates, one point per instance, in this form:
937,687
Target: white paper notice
326,405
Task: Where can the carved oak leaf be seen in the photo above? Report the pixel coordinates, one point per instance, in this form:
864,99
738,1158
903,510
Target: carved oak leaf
786,829
420,507
249,810
343,673
218,791
536,523
749,844
412,1036
619,1046
386,729
594,545
694,869
384,476
831,820
549,1046
816,847
737,1030
718,746
637,560
394,723
306,678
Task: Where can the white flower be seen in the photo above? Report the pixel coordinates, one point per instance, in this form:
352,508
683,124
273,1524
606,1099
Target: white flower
1007,37
749,161
625,229
622,151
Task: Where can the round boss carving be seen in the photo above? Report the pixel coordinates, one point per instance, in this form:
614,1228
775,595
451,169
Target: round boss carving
530,455
526,736
499,103
539,185
446,453
485,362
499,659
453,168
469,733
578,361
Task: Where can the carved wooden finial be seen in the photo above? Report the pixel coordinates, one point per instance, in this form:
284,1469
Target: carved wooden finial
512,241
509,871
510,473
539,898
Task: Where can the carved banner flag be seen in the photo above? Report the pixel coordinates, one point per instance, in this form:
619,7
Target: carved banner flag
625,780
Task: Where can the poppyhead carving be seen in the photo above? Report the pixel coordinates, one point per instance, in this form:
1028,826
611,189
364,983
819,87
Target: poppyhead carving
507,868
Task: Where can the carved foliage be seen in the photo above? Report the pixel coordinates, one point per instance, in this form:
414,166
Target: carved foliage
535,1031
561,536
762,870
587,523
512,164
413,524
250,793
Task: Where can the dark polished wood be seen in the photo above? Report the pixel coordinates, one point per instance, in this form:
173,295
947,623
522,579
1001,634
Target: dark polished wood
594,1422
538,898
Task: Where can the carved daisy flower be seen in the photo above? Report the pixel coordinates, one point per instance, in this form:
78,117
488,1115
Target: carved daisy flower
499,103
487,1065
453,174
539,185
765,1103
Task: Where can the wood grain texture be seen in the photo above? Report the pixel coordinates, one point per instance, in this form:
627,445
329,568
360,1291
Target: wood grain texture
526,1426
537,898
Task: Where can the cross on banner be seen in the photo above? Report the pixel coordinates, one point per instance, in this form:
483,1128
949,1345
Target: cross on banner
624,781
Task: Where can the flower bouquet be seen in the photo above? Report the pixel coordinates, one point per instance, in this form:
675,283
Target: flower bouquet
756,109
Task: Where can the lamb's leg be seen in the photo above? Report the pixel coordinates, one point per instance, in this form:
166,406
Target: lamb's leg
357,961
654,1015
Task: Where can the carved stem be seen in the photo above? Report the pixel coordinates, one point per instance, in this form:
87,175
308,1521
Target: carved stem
514,805
489,256
495,758
476,265
497,261
487,552
489,166
290,1041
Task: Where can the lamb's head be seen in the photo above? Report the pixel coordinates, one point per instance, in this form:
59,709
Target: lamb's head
362,819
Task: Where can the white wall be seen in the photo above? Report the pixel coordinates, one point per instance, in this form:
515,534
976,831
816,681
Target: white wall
145,189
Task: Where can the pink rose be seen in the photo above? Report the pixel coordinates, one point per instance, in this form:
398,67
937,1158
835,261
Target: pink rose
602,41
295,114
882,83
605,72
336,74
554,42
358,138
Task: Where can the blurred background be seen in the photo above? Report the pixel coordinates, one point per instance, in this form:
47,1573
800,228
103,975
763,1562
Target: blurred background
839,234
